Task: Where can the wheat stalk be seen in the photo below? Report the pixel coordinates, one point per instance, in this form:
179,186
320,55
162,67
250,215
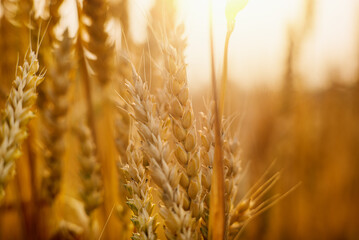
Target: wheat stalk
17,115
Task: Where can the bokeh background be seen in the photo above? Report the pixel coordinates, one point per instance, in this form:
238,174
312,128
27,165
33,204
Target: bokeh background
294,87
293,68
294,94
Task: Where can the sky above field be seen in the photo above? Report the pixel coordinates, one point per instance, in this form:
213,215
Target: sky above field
259,42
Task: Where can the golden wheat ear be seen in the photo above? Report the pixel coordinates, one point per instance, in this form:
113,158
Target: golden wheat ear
164,174
17,114
95,13
139,196
90,170
54,116
183,128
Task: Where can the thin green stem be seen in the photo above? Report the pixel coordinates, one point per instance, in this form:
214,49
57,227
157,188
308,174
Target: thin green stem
230,27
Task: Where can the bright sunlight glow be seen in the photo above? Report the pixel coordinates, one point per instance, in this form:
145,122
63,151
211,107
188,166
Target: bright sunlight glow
259,42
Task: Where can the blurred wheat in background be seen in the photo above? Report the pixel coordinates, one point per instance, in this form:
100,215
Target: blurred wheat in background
115,125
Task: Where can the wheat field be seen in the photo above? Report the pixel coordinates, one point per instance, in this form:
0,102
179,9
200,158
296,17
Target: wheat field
102,137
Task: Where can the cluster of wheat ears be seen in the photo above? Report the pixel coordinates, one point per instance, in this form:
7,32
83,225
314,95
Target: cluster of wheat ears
176,169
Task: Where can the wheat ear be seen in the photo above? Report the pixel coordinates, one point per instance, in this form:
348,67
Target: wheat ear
90,170
17,115
139,197
178,221
207,155
184,129
231,165
54,9
93,23
54,117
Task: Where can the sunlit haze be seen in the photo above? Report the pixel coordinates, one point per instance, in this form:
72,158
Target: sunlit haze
113,128
259,41
258,45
